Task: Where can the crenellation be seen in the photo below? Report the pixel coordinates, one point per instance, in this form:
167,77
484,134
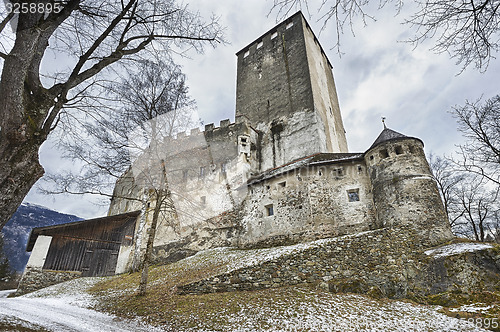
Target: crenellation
209,127
225,123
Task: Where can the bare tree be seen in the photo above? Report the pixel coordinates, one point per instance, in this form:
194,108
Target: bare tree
125,141
467,30
92,35
480,208
448,178
480,124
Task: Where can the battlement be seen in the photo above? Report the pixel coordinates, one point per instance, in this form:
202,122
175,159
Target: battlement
268,38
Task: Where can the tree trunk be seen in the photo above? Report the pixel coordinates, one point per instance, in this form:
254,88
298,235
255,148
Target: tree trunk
149,248
19,170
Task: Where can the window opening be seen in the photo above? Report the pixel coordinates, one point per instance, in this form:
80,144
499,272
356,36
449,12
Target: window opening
185,174
203,200
259,45
353,195
399,149
384,154
269,210
289,25
247,53
274,35
282,184
202,171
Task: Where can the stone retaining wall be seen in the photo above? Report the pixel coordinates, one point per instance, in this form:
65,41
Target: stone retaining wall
385,262
34,279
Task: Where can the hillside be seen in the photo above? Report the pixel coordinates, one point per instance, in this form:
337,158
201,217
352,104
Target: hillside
17,230
310,306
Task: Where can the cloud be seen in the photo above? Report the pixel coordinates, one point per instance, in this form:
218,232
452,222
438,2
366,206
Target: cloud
377,75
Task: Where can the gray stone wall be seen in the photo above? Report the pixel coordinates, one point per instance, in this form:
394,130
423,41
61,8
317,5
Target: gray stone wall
308,203
388,262
34,279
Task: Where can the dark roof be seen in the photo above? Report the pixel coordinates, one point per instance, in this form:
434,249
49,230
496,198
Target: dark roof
389,135
312,160
75,226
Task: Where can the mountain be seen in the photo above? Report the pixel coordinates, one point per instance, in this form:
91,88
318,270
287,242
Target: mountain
17,230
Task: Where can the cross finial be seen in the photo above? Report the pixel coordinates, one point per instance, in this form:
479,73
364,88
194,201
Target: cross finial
383,122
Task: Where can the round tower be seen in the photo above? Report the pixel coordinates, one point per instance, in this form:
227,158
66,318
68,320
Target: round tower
404,190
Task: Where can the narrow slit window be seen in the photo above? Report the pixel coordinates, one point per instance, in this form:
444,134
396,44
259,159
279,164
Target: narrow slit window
202,171
289,25
203,200
259,45
247,53
274,35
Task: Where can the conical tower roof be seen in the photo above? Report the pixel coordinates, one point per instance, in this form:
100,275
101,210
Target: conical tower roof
387,135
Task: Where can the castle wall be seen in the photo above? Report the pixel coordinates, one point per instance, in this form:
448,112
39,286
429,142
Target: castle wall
308,203
206,175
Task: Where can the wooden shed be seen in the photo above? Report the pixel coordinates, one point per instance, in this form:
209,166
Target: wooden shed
89,246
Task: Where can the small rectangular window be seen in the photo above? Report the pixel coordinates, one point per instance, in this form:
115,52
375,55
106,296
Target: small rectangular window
203,200
269,210
353,195
384,154
202,171
399,149
223,167
185,174
289,25
274,35
247,53
282,184
259,45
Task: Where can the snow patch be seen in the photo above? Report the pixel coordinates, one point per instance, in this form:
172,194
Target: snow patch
457,248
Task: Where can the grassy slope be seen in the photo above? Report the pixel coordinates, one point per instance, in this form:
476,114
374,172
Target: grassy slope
294,308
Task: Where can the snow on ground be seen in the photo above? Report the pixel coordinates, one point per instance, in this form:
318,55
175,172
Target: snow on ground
456,248
63,308
335,312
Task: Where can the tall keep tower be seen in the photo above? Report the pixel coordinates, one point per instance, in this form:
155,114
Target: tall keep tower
285,89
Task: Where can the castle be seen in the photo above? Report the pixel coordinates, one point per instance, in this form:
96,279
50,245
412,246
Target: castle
280,174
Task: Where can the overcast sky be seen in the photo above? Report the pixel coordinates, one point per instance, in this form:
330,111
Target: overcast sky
377,75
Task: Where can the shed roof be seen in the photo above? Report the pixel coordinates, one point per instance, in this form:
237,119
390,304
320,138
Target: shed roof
73,227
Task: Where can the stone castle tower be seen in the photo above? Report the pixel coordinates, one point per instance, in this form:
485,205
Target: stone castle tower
285,88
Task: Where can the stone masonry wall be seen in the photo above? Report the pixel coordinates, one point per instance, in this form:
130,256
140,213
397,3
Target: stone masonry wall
34,279
385,262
